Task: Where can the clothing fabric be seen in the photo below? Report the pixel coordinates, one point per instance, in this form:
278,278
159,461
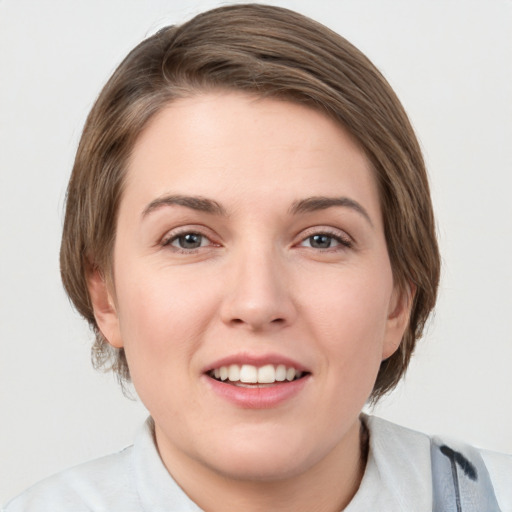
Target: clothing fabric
461,481
398,478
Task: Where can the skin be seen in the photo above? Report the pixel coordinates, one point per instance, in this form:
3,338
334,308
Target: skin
258,284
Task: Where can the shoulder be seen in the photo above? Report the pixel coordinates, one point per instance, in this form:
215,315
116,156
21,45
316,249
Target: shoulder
401,449
499,466
89,486
401,461
131,480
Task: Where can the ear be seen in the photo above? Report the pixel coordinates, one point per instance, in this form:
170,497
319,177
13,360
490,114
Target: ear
104,307
398,318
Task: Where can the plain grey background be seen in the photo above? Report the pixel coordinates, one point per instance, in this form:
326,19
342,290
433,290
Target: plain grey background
450,63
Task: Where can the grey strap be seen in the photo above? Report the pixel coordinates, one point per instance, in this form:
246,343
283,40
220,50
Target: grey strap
461,482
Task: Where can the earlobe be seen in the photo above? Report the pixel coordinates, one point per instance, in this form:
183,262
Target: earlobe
103,304
398,318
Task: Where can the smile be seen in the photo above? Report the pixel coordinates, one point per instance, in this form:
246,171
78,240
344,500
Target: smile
247,374
259,382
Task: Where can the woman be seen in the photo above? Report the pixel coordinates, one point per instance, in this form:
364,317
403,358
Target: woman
250,234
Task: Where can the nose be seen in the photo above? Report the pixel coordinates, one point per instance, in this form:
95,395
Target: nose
259,290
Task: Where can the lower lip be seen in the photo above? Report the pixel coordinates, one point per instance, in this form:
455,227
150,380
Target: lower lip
265,397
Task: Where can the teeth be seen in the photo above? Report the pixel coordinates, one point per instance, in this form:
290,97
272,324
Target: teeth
290,374
234,373
249,374
266,374
281,373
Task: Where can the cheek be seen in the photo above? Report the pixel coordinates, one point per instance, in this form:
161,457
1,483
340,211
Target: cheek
350,315
161,315
161,322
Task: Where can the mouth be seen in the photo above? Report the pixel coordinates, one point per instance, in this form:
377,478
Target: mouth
247,375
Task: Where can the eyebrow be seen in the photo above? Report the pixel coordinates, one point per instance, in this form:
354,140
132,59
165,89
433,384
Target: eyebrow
312,204
307,205
198,203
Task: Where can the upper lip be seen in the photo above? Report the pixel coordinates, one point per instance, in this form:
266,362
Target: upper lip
257,360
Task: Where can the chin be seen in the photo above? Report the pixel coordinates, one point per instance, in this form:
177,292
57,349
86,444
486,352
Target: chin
265,459
268,469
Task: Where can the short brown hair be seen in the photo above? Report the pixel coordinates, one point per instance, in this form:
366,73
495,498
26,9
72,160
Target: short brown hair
271,52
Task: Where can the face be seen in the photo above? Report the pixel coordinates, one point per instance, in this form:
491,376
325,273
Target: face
252,289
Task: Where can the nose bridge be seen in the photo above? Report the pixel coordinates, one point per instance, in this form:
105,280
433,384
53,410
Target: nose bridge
258,291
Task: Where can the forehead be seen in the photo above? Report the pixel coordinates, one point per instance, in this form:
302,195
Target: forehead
245,148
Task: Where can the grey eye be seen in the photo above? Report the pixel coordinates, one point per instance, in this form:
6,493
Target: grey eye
320,241
188,241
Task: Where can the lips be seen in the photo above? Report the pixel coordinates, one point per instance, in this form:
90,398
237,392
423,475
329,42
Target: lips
250,381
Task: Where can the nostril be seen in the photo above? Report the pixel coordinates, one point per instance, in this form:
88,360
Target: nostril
257,325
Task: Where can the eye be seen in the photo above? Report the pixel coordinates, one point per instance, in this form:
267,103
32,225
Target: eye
320,241
188,241
326,241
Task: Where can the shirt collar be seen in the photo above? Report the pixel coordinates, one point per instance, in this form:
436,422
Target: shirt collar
398,471
397,475
158,491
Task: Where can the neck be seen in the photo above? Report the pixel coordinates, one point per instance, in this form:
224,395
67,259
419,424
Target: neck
327,486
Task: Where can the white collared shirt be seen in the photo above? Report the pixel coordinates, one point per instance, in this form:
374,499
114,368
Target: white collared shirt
397,479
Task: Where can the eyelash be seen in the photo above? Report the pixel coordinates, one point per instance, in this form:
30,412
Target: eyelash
168,240
345,242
